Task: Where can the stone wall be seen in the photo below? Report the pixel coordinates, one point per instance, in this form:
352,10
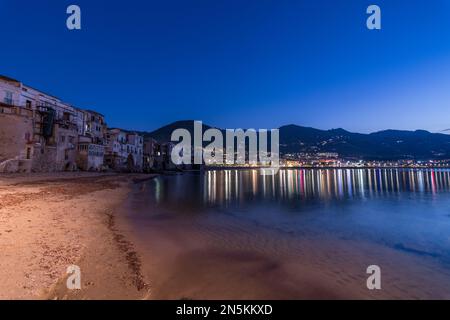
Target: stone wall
44,159
15,133
66,148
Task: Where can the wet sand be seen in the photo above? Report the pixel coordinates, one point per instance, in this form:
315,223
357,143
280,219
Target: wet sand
51,221
187,262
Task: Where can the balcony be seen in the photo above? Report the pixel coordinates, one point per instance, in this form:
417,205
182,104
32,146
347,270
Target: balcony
67,124
13,108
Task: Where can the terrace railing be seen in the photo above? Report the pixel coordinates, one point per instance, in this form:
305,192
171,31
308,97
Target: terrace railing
15,110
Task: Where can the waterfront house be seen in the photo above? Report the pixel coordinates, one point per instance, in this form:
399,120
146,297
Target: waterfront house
163,159
151,150
91,140
124,150
16,129
47,128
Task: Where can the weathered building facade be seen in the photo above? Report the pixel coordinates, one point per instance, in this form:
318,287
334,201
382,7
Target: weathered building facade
90,156
163,159
91,140
151,150
38,130
124,150
16,144
41,133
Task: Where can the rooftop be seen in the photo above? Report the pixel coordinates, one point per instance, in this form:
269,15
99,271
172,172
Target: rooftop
9,79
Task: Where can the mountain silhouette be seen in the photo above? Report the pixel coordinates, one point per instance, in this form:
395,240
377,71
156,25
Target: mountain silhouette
382,145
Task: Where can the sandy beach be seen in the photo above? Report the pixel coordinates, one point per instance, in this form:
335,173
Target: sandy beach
132,242
51,221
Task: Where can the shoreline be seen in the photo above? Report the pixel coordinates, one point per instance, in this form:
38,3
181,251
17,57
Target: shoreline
51,221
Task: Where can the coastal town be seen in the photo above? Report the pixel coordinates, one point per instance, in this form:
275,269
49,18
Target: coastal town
41,133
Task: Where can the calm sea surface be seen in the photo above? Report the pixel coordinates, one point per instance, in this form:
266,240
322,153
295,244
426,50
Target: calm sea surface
318,228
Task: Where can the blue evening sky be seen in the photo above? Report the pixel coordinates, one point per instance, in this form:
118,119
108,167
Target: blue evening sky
238,63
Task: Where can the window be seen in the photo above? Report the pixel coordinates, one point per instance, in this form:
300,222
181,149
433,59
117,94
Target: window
28,104
63,139
66,116
8,97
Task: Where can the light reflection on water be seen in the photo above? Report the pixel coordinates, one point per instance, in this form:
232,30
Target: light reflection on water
407,210
396,218
222,187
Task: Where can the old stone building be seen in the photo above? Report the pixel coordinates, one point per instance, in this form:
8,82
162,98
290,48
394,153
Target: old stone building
91,140
39,132
158,156
16,145
47,127
151,150
163,159
124,150
16,129
93,125
90,156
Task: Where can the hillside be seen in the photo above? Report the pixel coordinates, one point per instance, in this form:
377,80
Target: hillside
382,145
